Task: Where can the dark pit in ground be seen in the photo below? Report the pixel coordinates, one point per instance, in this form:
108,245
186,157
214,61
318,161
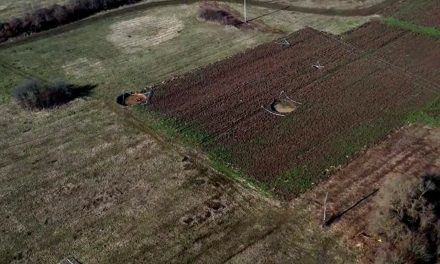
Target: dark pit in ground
283,106
129,99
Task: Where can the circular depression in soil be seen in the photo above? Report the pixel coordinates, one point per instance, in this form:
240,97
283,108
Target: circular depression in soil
143,32
130,99
283,106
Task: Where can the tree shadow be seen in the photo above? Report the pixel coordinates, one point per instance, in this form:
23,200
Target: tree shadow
82,90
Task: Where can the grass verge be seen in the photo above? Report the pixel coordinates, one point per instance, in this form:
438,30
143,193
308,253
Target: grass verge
190,134
429,115
408,25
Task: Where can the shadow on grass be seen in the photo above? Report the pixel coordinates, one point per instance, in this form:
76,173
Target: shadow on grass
82,90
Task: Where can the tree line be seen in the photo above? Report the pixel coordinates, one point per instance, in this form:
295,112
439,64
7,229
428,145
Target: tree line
50,17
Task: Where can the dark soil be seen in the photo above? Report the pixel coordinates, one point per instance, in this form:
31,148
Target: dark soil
422,12
212,11
130,99
355,100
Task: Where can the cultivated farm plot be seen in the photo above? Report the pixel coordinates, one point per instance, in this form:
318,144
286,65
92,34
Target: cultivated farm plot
353,101
412,151
404,51
423,12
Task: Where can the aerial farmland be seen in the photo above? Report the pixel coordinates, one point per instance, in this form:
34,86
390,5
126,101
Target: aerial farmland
256,131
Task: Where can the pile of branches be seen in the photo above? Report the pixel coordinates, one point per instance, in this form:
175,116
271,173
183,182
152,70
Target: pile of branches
46,18
407,220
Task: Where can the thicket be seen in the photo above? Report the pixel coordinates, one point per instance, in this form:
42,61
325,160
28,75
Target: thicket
56,15
34,94
407,220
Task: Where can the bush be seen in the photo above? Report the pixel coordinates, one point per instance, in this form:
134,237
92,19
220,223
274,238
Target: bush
34,94
407,220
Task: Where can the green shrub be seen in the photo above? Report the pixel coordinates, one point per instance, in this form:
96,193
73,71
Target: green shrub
407,220
34,94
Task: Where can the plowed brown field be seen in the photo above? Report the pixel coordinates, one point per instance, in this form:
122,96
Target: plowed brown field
412,151
424,12
354,100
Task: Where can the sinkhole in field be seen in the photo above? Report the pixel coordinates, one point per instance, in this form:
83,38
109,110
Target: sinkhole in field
283,106
130,99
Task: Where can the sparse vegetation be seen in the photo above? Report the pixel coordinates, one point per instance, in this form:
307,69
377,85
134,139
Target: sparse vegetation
408,220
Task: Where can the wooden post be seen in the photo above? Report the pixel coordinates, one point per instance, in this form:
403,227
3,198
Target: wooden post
325,209
245,15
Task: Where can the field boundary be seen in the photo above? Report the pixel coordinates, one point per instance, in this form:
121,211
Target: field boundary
431,31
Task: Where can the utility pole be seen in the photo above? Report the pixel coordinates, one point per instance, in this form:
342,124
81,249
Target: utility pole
245,17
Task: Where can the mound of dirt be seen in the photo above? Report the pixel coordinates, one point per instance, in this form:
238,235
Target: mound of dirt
222,14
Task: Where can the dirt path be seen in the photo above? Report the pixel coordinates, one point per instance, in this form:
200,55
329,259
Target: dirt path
152,4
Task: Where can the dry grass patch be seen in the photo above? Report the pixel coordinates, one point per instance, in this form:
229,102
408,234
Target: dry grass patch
82,68
143,32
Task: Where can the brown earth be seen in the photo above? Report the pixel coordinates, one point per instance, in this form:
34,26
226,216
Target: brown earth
411,151
223,14
354,100
422,12
411,53
136,98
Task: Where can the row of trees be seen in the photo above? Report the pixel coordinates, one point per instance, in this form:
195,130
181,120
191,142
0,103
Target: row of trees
55,15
